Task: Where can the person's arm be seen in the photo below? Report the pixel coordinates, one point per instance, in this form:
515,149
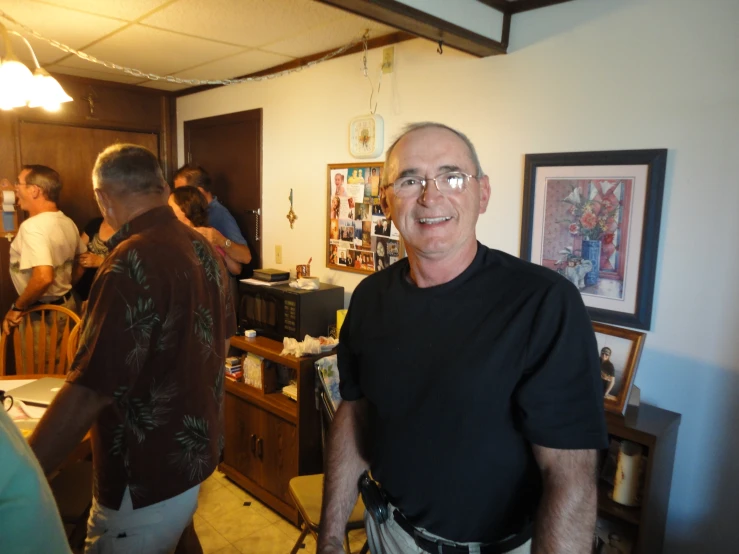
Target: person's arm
234,267
346,460
238,252
565,521
611,383
69,417
41,278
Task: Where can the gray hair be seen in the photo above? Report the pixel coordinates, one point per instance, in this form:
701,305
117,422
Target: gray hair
129,169
431,124
46,179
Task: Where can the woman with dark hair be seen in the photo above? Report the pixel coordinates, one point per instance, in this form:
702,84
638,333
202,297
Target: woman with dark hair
94,237
191,209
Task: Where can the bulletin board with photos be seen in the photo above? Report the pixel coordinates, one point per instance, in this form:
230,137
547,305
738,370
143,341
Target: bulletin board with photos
360,238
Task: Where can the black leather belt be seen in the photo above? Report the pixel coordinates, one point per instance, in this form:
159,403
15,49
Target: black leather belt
56,302
441,546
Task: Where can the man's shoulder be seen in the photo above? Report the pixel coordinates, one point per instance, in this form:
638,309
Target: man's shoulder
515,268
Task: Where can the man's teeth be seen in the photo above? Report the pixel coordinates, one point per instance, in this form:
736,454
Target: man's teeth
431,220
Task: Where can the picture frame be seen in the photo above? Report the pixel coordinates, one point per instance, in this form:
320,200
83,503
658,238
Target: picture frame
624,348
359,237
595,217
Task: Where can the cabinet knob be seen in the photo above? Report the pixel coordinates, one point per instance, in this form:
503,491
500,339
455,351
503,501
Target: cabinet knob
260,448
253,439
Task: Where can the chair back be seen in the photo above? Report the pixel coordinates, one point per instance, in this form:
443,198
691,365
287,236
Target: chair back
41,341
72,344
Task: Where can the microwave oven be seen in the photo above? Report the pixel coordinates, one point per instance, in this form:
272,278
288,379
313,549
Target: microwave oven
279,311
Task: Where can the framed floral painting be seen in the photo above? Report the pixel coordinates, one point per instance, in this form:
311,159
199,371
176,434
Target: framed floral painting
594,217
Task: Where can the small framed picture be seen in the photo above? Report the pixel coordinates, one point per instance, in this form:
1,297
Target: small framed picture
619,350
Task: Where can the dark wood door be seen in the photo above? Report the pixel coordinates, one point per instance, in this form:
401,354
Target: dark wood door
279,455
242,430
72,151
229,148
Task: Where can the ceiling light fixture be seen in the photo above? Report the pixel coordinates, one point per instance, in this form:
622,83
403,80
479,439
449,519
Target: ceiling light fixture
19,87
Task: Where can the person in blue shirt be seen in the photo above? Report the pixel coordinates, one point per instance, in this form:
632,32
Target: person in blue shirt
223,230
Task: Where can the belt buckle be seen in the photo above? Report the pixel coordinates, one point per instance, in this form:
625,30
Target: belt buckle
439,543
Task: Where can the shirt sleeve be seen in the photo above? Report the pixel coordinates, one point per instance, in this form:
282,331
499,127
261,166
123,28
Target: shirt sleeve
35,250
115,335
227,226
560,397
347,359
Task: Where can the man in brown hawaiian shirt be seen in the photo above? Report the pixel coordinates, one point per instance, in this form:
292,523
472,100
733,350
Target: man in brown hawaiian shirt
148,375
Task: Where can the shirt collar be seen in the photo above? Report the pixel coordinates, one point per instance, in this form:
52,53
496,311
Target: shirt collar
155,216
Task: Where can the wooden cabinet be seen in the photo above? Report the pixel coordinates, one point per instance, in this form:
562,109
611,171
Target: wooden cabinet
656,431
269,438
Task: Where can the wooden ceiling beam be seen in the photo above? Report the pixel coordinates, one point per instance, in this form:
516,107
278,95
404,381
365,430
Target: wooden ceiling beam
526,5
403,17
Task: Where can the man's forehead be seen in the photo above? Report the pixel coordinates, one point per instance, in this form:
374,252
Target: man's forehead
430,148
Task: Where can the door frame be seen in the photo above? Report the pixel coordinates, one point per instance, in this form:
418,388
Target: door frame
255,114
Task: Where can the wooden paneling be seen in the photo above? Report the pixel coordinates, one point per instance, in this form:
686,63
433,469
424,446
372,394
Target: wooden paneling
49,144
101,111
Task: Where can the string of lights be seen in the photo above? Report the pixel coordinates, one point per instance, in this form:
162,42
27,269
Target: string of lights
171,79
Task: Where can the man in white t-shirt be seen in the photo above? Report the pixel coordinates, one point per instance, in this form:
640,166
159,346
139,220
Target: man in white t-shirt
43,255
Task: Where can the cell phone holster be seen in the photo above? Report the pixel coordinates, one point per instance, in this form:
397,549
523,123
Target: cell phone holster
374,499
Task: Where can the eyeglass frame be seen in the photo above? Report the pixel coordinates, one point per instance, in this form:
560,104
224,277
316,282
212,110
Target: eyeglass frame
424,182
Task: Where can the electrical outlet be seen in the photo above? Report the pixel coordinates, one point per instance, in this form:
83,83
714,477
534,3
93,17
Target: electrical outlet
278,253
388,59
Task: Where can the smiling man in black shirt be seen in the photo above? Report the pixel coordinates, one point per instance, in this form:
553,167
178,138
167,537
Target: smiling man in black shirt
470,378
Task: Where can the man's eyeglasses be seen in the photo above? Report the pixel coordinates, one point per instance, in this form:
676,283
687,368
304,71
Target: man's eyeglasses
451,182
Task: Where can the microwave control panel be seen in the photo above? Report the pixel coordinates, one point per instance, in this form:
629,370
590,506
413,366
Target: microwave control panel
291,315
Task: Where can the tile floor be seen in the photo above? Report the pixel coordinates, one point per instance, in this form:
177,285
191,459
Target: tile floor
226,526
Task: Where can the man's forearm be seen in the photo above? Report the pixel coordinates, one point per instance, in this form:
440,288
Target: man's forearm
64,424
565,520
239,252
77,271
345,461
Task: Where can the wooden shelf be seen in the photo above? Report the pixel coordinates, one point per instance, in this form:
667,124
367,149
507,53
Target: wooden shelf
632,514
275,402
270,349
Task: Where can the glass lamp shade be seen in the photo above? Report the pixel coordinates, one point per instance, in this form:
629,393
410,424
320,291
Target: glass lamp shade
15,83
46,92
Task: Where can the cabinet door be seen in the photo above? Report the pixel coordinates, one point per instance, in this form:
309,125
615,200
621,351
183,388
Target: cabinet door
279,455
243,423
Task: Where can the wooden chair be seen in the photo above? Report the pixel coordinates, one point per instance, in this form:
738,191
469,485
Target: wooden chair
307,490
48,358
72,344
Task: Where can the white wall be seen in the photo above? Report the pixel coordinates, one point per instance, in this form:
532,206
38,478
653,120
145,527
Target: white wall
585,75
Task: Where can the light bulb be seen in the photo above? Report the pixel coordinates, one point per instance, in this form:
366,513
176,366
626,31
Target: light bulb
15,82
46,92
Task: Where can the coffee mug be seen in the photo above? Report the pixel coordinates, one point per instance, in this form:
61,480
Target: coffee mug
4,398
302,270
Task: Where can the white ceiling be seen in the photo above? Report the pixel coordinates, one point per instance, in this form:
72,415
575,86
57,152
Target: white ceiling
192,39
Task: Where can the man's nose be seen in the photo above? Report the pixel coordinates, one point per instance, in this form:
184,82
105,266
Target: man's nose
431,191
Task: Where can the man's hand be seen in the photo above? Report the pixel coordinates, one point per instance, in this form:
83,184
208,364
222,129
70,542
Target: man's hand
12,320
88,260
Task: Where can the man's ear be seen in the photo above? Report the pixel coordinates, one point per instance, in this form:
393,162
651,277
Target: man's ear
484,193
384,204
103,201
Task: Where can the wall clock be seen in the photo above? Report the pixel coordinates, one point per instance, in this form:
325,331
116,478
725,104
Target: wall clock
366,136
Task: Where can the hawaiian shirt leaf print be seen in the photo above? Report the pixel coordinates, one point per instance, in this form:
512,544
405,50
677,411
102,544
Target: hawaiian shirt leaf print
153,342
